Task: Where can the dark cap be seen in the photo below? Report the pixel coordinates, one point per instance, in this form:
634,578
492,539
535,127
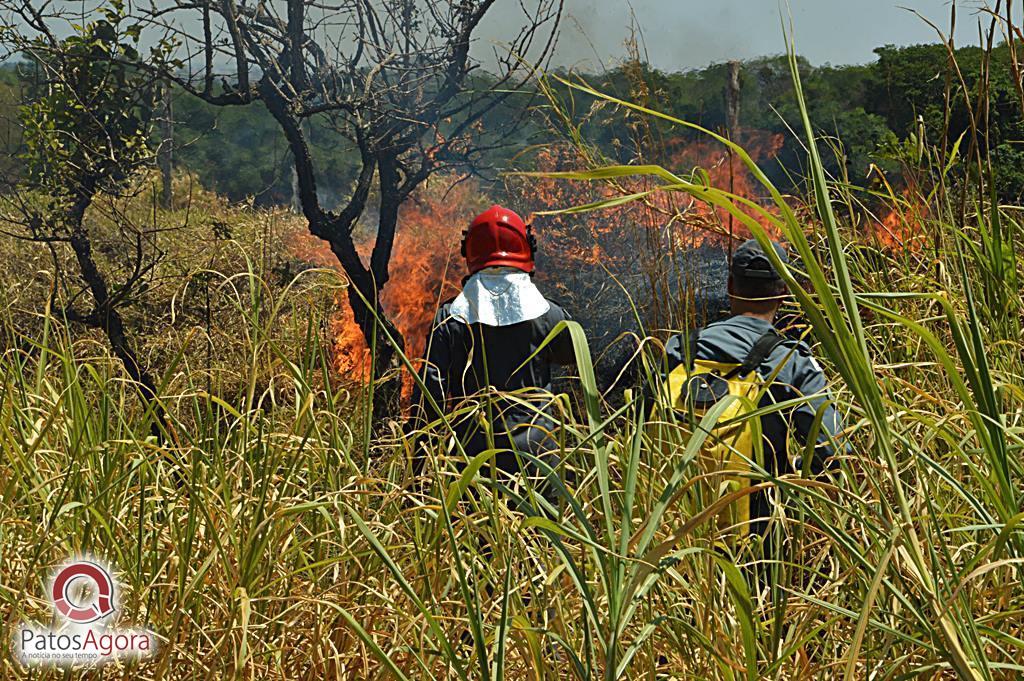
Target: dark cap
750,262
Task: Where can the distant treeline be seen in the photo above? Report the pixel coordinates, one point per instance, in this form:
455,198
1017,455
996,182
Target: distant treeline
875,112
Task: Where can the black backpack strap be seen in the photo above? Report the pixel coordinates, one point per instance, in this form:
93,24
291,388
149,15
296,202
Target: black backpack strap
763,347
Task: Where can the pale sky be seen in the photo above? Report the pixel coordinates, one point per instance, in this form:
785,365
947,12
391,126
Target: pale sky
680,35
688,34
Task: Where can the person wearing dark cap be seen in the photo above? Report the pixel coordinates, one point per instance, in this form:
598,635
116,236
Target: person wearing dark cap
749,340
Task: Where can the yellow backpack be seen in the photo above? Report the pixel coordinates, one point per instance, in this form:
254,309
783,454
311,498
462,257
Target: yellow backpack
697,385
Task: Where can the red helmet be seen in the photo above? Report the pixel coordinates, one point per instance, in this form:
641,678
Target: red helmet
498,238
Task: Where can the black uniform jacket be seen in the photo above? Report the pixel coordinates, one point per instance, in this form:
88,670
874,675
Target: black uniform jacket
463,359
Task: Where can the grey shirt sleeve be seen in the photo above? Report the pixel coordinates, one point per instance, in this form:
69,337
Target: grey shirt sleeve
808,380
675,352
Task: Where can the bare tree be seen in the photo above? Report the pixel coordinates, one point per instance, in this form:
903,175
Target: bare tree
394,77
86,128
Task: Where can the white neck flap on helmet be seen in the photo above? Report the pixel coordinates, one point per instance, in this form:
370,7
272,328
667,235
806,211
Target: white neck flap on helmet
499,296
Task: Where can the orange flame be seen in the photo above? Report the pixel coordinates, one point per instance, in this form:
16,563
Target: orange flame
902,227
600,236
425,269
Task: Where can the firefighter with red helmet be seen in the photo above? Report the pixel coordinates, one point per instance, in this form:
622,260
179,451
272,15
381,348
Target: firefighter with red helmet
490,341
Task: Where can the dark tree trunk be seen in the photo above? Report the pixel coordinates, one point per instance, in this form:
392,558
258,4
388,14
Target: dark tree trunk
379,332
387,366
336,230
106,317
732,101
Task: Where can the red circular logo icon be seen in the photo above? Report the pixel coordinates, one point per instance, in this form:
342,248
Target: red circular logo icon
96,605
